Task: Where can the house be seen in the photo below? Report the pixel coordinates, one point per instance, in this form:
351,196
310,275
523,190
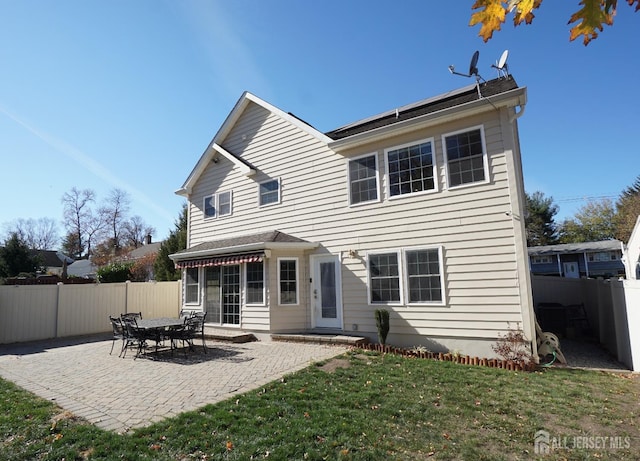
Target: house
631,256
575,260
52,262
418,210
82,268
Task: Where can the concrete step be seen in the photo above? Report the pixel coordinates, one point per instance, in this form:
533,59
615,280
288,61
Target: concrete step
345,340
222,334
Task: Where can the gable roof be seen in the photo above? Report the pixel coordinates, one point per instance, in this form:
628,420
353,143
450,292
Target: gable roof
565,248
214,148
52,258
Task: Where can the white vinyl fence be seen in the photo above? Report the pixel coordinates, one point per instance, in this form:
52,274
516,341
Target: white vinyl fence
33,312
612,306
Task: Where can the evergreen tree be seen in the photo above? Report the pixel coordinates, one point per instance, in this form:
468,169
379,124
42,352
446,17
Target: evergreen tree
164,267
628,210
16,258
540,226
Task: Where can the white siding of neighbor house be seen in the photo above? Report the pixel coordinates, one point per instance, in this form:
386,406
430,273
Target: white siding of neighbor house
485,273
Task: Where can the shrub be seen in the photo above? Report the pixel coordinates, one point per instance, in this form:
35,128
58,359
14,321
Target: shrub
382,324
513,346
115,272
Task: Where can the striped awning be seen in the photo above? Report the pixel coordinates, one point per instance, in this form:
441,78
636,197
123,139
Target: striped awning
221,260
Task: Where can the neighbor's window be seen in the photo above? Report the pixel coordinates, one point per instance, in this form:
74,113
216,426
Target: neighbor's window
409,276
191,286
466,157
411,169
423,276
288,280
217,205
255,283
363,179
541,260
384,277
602,256
270,192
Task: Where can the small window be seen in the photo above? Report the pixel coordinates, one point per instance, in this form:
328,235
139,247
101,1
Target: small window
384,277
210,206
255,283
411,169
541,260
288,281
191,286
270,192
363,179
466,157
217,205
224,203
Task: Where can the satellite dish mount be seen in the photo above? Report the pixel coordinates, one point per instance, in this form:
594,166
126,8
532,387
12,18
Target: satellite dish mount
501,65
473,70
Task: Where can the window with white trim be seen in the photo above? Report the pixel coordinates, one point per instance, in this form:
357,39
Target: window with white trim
217,205
541,260
406,276
191,286
411,168
466,157
602,256
254,282
269,192
363,179
288,280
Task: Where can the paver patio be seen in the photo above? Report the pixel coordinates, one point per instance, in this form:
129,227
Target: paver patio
119,394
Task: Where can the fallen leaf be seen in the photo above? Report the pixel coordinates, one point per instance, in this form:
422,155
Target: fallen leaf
229,445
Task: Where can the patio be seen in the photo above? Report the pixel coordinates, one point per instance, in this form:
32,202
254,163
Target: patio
120,394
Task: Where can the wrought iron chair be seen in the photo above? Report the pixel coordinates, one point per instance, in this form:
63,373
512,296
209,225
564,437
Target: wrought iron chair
131,316
119,333
192,329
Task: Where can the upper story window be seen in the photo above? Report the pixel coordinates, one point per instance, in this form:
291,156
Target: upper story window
409,276
363,179
411,168
269,192
217,205
466,157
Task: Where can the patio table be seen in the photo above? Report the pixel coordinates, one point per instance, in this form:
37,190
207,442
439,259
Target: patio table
157,328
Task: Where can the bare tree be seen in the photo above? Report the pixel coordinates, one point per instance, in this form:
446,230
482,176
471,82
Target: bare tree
77,214
37,234
114,214
136,231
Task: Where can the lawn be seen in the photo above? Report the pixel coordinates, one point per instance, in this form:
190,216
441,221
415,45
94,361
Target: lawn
360,406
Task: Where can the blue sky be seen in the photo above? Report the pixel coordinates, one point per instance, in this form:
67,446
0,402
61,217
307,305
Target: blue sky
127,95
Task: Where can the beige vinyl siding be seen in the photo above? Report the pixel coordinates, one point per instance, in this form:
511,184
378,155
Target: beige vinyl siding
481,270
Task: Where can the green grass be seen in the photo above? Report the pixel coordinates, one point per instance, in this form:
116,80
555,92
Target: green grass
373,407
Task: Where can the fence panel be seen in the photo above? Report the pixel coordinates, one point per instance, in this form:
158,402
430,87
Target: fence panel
36,312
27,313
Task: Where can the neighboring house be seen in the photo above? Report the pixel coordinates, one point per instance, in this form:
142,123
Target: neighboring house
82,268
632,253
146,255
575,260
52,262
418,210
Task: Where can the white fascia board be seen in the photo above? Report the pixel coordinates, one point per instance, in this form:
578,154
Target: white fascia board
244,168
513,98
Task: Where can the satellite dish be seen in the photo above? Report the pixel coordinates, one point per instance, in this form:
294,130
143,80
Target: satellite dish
473,69
502,64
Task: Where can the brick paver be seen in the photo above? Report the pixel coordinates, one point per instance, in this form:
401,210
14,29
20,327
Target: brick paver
120,394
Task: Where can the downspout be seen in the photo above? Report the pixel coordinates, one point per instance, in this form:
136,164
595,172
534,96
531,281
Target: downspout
517,115
559,265
586,264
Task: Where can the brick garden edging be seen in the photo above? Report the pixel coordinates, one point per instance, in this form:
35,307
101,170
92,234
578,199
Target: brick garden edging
449,357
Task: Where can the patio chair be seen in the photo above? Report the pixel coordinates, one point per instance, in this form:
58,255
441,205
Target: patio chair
193,329
134,337
131,316
118,333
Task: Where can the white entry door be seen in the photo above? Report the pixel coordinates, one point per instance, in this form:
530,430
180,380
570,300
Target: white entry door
326,291
571,270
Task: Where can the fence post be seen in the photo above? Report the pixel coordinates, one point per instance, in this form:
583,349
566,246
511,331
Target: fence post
55,332
126,296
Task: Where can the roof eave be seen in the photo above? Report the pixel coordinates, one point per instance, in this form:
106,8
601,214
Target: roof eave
511,98
244,248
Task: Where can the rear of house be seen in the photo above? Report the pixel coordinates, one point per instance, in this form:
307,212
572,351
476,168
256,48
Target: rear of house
417,210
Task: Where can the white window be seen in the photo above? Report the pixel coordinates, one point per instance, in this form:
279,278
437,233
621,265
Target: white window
541,260
191,286
466,157
602,256
363,179
408,276
269,192
217,205
288,280
254,283
411,168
